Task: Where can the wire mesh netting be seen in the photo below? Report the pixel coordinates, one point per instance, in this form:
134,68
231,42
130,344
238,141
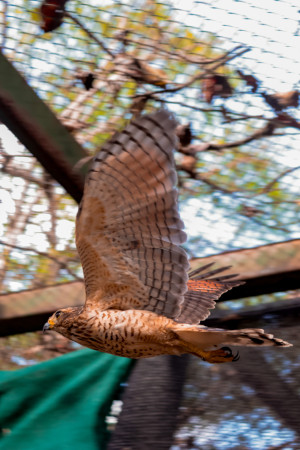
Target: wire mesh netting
250,405
37,223
218,66
230,72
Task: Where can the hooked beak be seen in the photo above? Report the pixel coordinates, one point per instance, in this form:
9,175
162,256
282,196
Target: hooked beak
46,327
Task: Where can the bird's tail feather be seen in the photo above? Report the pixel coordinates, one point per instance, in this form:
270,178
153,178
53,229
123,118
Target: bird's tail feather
212,338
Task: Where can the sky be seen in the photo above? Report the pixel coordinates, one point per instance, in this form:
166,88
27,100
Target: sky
271,29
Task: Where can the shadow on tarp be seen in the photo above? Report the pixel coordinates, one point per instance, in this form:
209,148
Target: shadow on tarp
60,403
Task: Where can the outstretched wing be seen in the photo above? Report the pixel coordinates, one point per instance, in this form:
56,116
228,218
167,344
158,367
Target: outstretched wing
203,291
128,228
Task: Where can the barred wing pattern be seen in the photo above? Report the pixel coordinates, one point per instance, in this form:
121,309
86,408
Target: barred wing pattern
203,291
128,228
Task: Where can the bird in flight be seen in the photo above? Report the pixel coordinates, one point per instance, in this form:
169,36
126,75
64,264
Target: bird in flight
141,301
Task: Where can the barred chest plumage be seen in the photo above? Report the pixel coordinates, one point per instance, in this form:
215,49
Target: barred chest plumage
130,333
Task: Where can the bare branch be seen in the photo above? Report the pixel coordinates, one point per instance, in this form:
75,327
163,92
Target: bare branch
284,120
267,225
270,185
215,186
70,115
17,172
17,223
102,127
90,34
178,54
50,193
193,149
200,177
62,264
267,130
198,76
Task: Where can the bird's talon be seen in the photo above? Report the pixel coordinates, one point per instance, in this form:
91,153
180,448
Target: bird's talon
227,351
222,355
236,357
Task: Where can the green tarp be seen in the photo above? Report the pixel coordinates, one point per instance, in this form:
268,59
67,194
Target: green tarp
60,404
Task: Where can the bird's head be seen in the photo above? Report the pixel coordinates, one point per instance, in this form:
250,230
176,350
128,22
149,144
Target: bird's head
62,320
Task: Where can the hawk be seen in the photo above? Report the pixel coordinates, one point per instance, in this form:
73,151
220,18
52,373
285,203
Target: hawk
140,299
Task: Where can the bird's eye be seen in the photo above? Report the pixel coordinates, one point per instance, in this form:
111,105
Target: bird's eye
57,314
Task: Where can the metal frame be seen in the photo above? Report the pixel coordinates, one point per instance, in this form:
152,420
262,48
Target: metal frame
37,127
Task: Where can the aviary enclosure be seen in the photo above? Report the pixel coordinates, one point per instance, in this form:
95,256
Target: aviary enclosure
71,74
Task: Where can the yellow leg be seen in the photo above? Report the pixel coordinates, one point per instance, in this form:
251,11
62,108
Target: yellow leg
221,355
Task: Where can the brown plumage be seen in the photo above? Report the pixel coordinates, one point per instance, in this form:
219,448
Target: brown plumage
139,300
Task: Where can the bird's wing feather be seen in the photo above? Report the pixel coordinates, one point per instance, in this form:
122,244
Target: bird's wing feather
203,291
128,227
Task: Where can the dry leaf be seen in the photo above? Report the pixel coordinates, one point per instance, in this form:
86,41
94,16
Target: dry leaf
280,101
216,86
87,79
52,12
184,134
145,73
250,80
188,164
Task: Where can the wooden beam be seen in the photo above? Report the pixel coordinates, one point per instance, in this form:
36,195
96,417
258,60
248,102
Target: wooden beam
266,269
27,310
25,324
281,313
41,300
39,130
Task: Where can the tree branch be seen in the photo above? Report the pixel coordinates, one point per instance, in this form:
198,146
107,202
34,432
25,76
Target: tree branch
267,130
16,172
198,76
50,194
62,264
179,54
90,34
199,177
269,186
266,225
